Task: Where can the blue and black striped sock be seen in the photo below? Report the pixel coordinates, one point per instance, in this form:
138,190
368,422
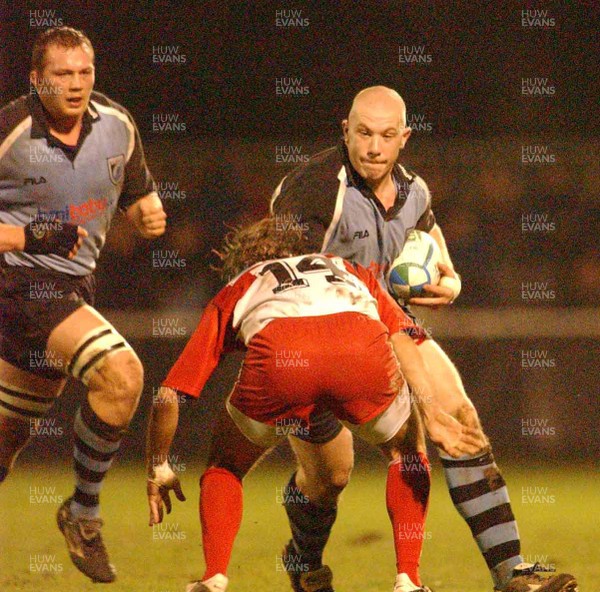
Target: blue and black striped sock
480,495
96,444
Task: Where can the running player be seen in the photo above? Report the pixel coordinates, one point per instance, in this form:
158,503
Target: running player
358,202
338,323
69,157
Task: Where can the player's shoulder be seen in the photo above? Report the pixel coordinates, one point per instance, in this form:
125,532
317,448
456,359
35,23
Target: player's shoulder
13,114
416,182
321,166
106,106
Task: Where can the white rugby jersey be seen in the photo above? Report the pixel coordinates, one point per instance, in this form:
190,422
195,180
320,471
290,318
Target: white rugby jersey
305,286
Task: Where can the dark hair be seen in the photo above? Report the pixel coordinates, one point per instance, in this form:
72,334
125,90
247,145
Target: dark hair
261,241
61,36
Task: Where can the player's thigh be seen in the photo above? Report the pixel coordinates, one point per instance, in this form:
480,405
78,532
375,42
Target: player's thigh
230,449
445,379
25,398
91,350
330,463
409,439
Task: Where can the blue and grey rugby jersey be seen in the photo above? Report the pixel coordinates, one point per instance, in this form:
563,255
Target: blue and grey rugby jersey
341,214
44,178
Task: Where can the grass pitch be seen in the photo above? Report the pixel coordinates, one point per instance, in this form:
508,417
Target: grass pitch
556,508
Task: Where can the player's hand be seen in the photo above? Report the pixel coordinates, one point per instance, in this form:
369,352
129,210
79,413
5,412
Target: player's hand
157,489
151,219
440,295
53,237
452,437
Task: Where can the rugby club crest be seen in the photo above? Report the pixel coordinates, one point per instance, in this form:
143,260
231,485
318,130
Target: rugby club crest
116,168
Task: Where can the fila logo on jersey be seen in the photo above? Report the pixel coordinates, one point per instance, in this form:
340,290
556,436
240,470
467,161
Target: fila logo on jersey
116,168
34,181
361,234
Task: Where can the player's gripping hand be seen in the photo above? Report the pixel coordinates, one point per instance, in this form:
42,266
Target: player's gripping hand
148,215
454,438
446,292
53,237
158,486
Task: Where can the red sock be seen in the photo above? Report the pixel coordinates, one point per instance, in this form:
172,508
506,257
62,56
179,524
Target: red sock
221,503
407,497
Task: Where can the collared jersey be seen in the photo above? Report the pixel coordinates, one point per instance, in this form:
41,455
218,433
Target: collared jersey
304,286
40,177
328,199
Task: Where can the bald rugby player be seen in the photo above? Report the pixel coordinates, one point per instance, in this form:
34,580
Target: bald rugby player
359,203
356,200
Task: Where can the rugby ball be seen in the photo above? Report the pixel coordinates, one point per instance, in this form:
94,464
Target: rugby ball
415,266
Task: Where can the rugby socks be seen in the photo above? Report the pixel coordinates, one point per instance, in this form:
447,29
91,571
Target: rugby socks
221,507
311,524
407,498
96,444
480,495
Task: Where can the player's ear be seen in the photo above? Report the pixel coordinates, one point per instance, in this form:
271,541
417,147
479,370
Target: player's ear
405,134
33,77
345,129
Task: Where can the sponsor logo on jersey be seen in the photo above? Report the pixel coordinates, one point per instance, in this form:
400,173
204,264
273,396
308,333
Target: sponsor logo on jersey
76,213
360,234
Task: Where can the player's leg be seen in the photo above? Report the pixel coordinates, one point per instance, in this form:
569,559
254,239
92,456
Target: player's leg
310,501
231,457
476,486
478,490
92,351
25,398
407,498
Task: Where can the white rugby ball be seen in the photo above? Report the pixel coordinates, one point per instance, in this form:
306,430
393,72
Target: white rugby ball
415,267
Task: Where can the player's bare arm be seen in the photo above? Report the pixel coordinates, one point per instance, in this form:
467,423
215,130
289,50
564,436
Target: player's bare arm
448,289
148,216
12,238
164,418
444,431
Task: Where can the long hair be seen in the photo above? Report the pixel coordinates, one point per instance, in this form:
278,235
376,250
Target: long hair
260,241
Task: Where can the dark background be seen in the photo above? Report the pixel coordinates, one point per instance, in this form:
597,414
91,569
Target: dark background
470,94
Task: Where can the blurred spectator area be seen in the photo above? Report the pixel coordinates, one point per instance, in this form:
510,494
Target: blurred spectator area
507,222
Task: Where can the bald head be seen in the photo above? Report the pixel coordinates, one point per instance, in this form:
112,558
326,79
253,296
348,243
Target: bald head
375,132
381,102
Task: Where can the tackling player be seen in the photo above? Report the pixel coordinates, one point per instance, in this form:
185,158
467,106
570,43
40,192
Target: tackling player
339,324
69,157
356,201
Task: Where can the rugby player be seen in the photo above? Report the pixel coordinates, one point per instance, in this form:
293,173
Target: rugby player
69,157
356,201
339,324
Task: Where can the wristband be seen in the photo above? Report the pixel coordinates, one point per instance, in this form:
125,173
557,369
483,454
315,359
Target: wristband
50,237
454,283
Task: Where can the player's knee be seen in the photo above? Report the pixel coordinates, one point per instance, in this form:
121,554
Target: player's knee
340,479
119,383
335,481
